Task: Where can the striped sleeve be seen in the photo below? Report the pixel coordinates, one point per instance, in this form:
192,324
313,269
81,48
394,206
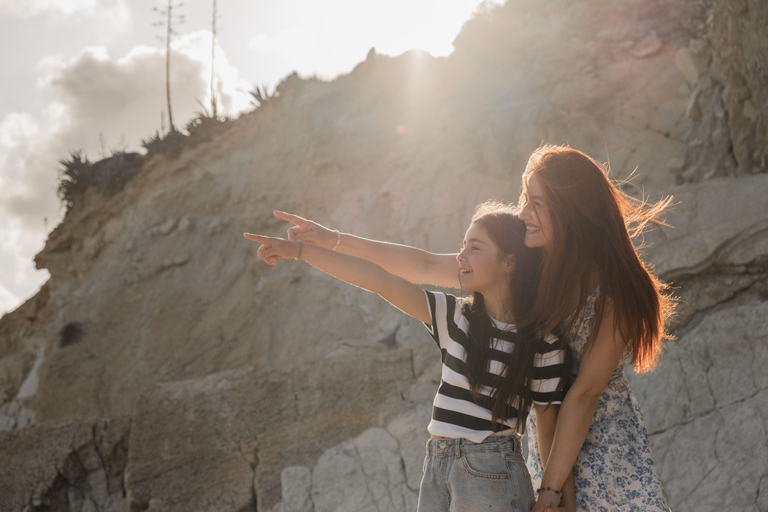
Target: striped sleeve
443,309
548,368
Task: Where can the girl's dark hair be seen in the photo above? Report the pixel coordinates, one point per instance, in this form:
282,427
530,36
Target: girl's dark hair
593,223
513,386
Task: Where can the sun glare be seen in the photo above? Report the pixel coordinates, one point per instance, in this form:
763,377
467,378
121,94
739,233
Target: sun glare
429,25
328,38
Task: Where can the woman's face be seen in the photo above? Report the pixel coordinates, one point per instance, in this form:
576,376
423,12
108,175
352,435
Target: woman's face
535,213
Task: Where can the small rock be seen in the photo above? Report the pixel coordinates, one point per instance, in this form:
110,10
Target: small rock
700,51
185,225
693,109
749,110
217,225
676,165
685,64
175,262
647,47
88,506
167,226
736,6
296,484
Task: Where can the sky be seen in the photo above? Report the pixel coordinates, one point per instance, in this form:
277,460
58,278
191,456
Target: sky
90,75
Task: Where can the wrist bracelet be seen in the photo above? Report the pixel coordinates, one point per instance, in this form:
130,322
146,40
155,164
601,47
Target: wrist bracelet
548,488
298,256
338,239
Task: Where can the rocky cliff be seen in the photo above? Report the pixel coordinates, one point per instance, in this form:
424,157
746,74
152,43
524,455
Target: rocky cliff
163,367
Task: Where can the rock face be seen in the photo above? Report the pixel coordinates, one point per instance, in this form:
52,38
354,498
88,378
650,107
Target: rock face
224,384
76,466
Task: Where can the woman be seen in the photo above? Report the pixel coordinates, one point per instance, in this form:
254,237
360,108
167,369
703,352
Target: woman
612,307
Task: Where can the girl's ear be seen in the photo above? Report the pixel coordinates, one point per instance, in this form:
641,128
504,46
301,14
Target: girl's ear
509,264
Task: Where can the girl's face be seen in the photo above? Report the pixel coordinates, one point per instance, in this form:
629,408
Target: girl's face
535,213
482,266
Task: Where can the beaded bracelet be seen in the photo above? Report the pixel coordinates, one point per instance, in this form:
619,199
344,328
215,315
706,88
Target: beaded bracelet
548,488
338,239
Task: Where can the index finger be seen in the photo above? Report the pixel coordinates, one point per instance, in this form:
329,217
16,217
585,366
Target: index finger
295,219
258,238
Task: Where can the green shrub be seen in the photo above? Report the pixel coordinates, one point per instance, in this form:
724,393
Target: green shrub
107,176
114,172
260,96
203,127
74,178
169,145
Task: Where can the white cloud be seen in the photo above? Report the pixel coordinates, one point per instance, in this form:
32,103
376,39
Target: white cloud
262,43
94,97
30,8
20,280
123,98
104,17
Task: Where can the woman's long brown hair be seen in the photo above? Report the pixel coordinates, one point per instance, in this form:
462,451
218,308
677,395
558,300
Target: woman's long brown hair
593,223
513,386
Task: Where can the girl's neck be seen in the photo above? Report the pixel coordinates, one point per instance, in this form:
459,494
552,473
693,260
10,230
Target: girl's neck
494,306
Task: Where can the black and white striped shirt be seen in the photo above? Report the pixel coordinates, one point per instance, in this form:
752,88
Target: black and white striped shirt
455,412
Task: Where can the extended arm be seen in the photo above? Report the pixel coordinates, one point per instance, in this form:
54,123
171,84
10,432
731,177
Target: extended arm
402,294
414,265
597,364
546,421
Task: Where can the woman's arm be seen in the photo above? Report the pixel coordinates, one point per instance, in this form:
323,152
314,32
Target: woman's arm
546,421
402,294
410,263
597,364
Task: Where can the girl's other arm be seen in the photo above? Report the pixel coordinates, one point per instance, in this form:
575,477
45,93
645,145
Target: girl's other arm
576,412
402,294
410,263
546,421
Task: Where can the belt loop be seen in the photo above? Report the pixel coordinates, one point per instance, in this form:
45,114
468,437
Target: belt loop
458,448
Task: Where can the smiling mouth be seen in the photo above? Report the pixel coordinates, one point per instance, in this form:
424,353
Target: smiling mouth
531,229
464,271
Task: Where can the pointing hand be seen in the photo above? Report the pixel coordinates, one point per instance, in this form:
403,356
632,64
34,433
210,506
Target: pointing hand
272,249
308,231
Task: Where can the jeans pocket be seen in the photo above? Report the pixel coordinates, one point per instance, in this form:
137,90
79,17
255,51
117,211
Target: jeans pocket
486,465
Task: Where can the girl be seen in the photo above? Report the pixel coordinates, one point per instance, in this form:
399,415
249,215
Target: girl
491,372
613,308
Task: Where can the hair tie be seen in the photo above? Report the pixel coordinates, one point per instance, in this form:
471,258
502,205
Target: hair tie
298,256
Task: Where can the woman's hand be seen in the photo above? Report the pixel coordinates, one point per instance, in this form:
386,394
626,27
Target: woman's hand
548,502
308,231
272,249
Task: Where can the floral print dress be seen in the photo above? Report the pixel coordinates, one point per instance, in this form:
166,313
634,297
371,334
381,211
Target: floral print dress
614,472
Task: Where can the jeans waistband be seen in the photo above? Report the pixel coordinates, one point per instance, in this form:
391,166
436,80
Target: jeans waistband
489,444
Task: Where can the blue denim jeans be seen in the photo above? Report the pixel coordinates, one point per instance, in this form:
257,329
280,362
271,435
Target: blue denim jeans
460,475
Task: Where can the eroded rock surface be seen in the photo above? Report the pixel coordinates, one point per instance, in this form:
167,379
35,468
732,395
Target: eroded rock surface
226,438
76,466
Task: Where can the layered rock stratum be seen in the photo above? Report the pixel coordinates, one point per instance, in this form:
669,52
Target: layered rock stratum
163,367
